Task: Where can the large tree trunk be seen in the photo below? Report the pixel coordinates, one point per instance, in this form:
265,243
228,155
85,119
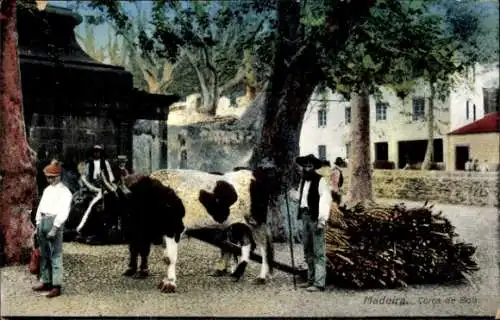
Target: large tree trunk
360,171
280,139
293,81
17,161
295,76
426,165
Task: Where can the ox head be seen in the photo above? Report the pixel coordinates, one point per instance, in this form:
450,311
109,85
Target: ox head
219,201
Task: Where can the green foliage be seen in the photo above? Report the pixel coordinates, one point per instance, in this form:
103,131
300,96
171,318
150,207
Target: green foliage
400,42
207,40
474,26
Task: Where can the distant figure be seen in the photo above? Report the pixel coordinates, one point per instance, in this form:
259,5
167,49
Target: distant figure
484,166
407,165
341,163
468,165
182,152
69,175
122,173
475,166
122,167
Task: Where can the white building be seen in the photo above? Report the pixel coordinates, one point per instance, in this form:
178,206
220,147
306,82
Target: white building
398,127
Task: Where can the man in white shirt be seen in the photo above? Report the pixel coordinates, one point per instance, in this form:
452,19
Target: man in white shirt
51,215
315,199
468,165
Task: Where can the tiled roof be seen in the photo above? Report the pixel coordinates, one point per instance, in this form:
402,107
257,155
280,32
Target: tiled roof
489,123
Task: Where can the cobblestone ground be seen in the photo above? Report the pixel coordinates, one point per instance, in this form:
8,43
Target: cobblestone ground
94,286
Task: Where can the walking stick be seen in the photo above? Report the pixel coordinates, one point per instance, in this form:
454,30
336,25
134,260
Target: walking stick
290,237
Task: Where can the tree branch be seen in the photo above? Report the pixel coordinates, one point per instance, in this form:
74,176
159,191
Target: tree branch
208,60
295,57
192,62
236,80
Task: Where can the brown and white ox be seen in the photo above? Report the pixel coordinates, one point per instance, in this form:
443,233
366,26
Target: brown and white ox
168,204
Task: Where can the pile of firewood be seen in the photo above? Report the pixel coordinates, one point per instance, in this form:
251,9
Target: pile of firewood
375,246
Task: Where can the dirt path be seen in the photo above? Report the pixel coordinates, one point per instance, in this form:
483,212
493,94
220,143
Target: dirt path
94,286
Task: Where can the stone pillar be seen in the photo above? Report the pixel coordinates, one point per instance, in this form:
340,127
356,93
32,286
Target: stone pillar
393,151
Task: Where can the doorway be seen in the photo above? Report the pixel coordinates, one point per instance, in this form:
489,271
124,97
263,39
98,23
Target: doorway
381,151
461,157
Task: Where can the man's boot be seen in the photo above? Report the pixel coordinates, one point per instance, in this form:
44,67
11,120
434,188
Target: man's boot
142,273
42,287
131,270
55,292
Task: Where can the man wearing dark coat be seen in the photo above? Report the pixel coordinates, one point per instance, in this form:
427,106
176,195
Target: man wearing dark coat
315,199
96,172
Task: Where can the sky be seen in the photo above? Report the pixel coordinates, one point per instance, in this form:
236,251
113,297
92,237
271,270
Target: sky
101,31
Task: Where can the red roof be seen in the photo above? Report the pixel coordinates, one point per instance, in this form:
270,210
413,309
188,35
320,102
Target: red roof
488,123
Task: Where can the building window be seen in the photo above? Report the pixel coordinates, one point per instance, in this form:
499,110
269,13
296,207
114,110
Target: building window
418,109
467,110
347,115
322,117
474,112
381,111
347,150
322,152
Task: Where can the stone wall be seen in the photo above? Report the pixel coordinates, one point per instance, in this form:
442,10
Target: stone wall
146,146
462,188
60,135
209,146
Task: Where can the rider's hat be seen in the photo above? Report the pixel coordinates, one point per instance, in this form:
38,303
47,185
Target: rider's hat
122,158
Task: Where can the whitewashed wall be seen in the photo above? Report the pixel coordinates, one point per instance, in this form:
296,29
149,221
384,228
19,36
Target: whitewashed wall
450,114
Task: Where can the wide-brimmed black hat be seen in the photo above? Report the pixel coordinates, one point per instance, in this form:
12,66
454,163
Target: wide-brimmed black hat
310,158
339,161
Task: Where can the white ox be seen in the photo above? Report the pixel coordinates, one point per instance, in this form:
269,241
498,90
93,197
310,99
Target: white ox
235,201
170,203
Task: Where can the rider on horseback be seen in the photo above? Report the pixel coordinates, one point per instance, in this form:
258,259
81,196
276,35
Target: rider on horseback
94,174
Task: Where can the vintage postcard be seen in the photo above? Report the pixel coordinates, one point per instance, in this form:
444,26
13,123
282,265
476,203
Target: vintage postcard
270,158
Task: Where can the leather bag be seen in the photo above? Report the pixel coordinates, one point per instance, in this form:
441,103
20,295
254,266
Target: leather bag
34,266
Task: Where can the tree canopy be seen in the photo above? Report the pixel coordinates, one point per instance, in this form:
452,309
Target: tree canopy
218,43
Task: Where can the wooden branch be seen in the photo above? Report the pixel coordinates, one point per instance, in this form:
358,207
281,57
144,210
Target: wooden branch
237,79
192,62
256,31
296,56
208,61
